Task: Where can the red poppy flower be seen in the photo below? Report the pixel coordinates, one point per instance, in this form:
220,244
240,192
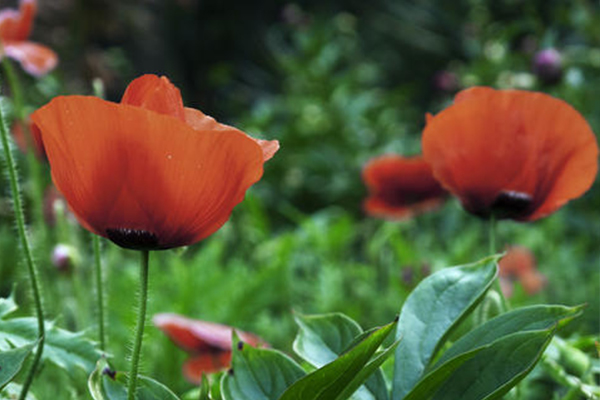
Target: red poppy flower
400,187
519,264
15,27
208,343
148,173
511,153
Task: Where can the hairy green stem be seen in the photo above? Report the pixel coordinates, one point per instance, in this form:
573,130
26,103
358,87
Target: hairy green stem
139,329
22,232
33,163
99,291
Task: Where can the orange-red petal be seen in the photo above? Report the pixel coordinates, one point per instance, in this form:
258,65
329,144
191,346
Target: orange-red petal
16,25
35,58
201,122
197,336
400,187
127,169
156,94
516,154
206,363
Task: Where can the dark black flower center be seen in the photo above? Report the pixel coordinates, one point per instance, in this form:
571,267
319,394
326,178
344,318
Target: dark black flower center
512,204
133,238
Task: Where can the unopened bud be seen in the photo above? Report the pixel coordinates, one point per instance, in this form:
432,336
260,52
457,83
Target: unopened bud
547,65
64,257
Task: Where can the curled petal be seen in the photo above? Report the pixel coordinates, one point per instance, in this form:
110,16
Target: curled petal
511,153
35,58
201,122
16,25
134,175
156,94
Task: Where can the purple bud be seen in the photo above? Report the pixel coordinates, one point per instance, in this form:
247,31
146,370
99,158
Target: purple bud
445,81
62,257
547,65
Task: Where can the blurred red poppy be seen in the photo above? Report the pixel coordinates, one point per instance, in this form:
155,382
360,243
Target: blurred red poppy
15,28
148,173
27,136
400,187
208,343
519,264
511,153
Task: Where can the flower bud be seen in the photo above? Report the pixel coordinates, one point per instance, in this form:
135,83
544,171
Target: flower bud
64,257
547,65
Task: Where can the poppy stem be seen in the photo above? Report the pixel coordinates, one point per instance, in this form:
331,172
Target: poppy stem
34,167
139,330
22,232
99,291
492,236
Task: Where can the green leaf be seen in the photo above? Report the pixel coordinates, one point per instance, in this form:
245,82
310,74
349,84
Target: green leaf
524,319
11,362
65,349
521,320
258,374
12,392
497,368
367,372
322,338
330,381
106,384
436,305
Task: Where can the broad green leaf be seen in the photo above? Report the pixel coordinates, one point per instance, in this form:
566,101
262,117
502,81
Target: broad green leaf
322,338
67,350
258,374
11,362
521,320
496,369
330,381
106,384
12,392
367,372
436,305
524,319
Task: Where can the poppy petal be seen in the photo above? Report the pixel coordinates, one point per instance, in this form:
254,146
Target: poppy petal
197,336
527,150
122,167
200,121
16,25
35,58
207,363
156,94
400,187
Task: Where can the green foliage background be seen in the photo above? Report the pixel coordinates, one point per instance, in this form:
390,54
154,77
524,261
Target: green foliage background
336,83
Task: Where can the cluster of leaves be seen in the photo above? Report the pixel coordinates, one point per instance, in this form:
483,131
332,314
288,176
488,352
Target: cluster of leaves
69,351
431,359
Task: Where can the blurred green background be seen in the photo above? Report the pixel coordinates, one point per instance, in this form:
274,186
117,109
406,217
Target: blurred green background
337,83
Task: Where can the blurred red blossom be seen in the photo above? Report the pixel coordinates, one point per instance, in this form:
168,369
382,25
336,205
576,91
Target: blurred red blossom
511,153
27,136
400,187
15,28
519,264
208,343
